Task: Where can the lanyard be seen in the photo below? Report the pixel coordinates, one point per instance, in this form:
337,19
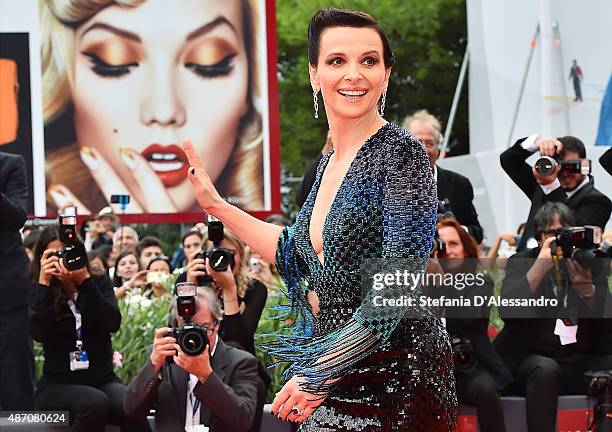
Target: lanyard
195,403
78,322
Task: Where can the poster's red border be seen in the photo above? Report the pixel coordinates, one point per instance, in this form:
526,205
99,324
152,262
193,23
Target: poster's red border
274,131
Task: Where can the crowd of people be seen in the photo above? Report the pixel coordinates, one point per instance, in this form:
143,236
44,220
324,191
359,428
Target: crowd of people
73,312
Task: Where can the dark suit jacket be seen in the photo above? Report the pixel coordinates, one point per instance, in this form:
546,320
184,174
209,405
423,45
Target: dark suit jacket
590,206
14,287
471,323
606,160
460,194
228,396
521,335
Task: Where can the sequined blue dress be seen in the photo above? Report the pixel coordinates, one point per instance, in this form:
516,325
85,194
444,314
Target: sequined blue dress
383,371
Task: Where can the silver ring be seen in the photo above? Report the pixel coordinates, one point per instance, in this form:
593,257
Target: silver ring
297,411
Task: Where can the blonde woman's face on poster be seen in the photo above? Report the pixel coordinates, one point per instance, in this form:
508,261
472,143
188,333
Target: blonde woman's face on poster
148,77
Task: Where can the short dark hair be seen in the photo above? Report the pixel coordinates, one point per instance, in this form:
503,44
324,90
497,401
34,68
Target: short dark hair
146,242
189,234
161,258
546,216
332,17
571,143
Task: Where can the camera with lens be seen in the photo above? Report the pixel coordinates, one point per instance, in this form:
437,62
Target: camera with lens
190,337
73,255
219,258
546,165
444,210
464,356
439,245
600,387
581,244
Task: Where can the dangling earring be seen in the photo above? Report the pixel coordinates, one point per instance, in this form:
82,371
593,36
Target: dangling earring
382,102
315,102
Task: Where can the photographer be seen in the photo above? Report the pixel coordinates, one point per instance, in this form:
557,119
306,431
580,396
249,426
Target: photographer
217,388
73,316
479,372
243,297
563,184
546,354
450,185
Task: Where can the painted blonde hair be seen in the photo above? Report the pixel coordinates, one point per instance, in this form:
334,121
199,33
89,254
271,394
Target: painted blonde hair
242,178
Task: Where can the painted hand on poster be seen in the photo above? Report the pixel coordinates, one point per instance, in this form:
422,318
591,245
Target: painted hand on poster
141,81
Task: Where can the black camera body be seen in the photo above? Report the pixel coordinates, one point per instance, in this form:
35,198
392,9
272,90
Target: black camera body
444,210
600,387
439,245
581,244
546,165
219,258
464,356
190,337
73,254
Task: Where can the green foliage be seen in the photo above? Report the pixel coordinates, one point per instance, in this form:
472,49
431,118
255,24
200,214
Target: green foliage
268,325
428,38
140,318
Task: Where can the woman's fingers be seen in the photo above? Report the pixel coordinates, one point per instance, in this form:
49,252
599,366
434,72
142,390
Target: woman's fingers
307,413
192,154
63,197
279,400
106,177
157,199
289,403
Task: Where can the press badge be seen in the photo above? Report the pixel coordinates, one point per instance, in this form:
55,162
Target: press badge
79,360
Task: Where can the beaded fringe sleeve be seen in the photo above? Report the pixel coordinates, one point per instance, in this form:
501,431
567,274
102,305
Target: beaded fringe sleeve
408,197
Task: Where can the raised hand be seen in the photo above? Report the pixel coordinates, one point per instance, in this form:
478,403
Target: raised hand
205,191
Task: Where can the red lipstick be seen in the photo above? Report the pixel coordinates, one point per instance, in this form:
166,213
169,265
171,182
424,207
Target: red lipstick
168,161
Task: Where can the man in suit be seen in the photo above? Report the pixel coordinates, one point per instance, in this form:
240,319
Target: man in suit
606,160
576,190
450,185
546,354
16,355
217,389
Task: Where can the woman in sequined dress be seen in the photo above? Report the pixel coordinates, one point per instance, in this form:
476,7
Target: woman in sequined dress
355,366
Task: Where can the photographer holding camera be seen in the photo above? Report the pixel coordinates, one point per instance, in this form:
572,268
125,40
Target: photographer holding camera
243,297
73,316
561,175
549,349
479,372
207,382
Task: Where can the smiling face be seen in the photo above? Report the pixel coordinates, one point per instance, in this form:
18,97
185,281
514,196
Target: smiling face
350,72
145,79
127,267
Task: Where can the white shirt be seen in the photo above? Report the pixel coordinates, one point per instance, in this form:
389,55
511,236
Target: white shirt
192,419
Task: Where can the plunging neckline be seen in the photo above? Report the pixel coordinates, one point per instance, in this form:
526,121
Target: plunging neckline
315,193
